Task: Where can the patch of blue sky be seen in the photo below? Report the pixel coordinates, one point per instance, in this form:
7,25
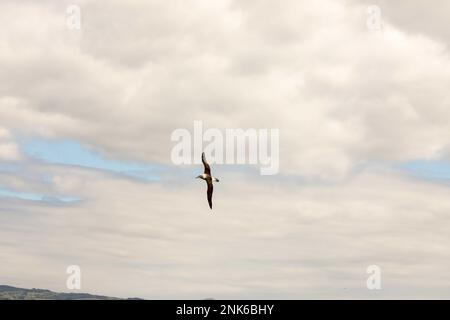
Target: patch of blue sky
69,152
29,196
427,169
10,167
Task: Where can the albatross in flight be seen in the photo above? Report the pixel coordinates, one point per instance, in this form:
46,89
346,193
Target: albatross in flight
208,178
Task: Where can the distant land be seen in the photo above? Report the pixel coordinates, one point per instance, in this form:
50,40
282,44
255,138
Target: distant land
12,293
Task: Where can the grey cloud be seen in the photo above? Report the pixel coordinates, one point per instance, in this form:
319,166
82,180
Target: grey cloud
265,240
416,17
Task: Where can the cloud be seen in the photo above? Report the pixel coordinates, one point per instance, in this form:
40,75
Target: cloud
341,94
264,240
8,148
350,104
416,17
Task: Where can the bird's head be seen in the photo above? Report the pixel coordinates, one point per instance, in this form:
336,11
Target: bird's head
198,177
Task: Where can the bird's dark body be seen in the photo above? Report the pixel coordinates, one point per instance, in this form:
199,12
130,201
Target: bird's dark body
209,180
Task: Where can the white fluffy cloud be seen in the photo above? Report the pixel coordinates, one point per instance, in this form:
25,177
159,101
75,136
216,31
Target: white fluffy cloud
340,94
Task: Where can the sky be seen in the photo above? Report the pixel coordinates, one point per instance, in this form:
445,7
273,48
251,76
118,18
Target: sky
86,176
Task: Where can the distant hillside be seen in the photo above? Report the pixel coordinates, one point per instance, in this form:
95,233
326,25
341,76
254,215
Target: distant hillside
12,293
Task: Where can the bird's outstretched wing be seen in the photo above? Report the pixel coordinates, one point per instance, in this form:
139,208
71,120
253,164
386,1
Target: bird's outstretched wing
210,192
206,165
